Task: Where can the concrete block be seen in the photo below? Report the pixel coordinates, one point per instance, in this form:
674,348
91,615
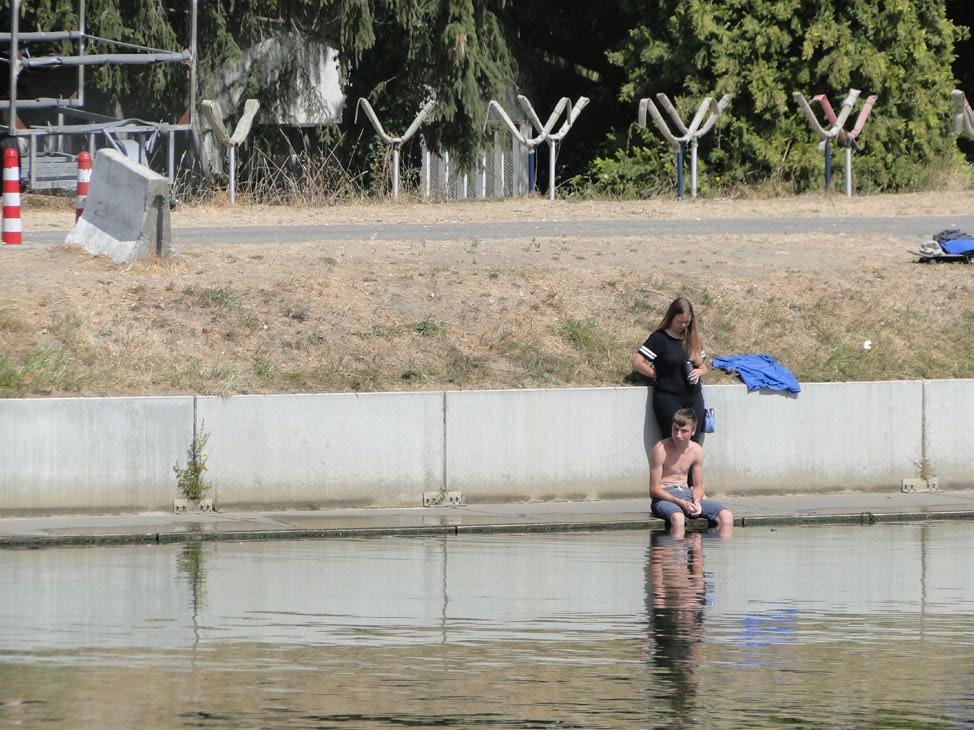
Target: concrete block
548,444
92,454
950,423
126,215
380,449
831,436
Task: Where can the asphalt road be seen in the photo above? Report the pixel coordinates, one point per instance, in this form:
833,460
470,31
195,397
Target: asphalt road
910,228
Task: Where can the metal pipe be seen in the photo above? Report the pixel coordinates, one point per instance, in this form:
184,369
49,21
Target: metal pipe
552,149
693,167
128,59
828,164
679,171
14,52
81,50
32,146
848,172
172,157
233,175
59,35
192,68
395,172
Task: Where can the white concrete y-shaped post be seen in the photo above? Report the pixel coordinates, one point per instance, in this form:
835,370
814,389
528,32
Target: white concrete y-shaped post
394,142
836,131
573,110
962,122
699,126
543,130
211,111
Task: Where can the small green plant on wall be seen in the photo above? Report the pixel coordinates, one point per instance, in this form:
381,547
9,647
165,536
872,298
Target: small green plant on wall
189,478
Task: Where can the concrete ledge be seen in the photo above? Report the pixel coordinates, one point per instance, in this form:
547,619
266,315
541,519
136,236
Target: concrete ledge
949,419
387,449
126,215
332,449
830,437
91,454
581,443
592,525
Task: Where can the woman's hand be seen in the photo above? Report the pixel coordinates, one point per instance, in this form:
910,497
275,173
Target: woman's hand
694,376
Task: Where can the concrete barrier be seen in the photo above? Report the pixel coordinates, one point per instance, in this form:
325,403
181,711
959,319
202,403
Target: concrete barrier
830,437
949,418
92,454
386,449
332,449
126,215
547,444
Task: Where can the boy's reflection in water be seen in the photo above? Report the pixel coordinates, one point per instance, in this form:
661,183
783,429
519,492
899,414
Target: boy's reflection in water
675,600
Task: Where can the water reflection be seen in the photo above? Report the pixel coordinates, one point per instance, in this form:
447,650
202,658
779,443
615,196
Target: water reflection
676,595
806,626
191,566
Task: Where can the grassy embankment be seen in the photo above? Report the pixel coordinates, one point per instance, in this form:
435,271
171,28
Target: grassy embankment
348,316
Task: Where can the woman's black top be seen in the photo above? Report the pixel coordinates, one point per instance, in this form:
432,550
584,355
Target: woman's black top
667,355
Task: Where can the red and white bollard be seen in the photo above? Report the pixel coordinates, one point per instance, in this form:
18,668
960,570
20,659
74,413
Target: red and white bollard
84,178
11,197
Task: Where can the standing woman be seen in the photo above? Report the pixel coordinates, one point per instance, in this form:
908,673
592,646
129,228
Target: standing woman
673,358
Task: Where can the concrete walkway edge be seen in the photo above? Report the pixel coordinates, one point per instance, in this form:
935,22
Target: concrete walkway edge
750,512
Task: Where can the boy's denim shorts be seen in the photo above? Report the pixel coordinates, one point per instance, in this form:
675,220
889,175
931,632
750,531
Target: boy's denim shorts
709,508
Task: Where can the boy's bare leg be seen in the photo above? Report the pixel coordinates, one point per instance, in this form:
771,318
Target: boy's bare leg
677,527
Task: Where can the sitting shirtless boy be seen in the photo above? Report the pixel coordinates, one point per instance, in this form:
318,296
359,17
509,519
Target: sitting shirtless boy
670,461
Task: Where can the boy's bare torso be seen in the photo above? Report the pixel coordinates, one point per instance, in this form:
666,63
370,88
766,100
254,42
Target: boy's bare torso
677,464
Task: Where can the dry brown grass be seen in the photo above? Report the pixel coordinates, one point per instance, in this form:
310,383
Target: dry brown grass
366,315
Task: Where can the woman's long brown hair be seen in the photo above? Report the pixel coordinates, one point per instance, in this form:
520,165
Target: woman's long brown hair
691,338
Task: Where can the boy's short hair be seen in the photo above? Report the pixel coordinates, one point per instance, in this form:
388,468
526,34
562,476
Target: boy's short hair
685,417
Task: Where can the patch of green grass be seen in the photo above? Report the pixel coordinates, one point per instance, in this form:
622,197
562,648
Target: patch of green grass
9,377
586,336
220,297
262,366
249,320
366,378
428,327
538,365
9,324
461,368
414,375
298,312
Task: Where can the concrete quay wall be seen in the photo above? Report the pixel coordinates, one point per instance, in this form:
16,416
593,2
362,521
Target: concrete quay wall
386,449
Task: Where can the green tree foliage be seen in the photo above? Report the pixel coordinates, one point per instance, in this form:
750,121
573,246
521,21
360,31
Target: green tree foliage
762,51
451,49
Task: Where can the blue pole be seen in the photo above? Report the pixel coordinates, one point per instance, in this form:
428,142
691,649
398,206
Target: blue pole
828,164
679,170
532,172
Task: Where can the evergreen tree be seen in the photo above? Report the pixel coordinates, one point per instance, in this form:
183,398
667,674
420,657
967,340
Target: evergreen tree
762,51
451,49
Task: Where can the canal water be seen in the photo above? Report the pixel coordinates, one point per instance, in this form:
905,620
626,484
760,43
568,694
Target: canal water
834,626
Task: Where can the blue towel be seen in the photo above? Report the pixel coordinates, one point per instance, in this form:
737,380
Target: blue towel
958,246
759,371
